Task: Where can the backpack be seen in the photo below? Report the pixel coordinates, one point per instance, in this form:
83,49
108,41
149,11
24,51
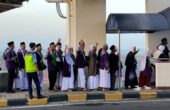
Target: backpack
5,54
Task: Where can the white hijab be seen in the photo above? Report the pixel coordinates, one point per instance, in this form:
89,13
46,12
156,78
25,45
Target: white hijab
143,60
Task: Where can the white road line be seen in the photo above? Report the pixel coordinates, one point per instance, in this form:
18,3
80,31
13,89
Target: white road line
82,103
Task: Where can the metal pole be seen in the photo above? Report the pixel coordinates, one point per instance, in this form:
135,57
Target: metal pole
119,71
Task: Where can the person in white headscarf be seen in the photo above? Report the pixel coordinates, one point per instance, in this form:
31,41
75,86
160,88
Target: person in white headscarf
68,71
145,71
93,79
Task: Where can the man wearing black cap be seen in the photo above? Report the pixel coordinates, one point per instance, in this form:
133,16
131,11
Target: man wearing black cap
59,60
52,65
166,51
40,64
22,74
31,70
11,64
113,65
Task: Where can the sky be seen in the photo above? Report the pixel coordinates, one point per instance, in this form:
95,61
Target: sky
38,21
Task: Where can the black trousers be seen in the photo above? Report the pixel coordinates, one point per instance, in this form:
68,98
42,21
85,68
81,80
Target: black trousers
52,76
33,77
11,77
130,82
112,80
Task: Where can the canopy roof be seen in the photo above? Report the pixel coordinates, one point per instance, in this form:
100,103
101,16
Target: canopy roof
6,5
131,23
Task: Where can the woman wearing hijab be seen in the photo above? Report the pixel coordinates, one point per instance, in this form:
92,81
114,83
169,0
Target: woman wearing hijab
92,68
145,71
131,65
68,71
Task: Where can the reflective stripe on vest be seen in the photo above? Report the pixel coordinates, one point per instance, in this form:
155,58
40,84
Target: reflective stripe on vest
30,66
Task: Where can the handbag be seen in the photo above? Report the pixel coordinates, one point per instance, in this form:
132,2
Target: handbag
131,76
43,66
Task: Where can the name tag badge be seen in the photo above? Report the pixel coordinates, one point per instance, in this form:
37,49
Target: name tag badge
58,59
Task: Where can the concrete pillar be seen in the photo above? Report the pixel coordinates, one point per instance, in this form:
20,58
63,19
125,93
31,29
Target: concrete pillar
87,20
155,6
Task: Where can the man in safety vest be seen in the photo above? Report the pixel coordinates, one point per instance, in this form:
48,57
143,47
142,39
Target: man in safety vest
31,70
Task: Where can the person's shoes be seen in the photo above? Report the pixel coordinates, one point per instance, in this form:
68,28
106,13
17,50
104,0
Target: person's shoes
25,89
103,89
31,97
17,89
11,91
56,89
147,88
41,97
112,89
50,89
133,87
126,87
84,89
137,89
22,90
99,89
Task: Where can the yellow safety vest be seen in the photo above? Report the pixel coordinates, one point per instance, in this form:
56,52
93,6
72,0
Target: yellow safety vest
30,66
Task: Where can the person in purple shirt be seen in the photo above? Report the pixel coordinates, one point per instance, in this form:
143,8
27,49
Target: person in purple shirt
104,82
22,73
81,63
11,64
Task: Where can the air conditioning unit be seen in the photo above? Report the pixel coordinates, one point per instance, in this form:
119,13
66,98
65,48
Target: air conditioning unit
57,1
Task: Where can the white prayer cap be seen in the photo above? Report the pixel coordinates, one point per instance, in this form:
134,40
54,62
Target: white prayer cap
67,48
105,46
91,46
70,47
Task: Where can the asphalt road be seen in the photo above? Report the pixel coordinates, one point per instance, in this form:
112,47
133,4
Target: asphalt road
125,105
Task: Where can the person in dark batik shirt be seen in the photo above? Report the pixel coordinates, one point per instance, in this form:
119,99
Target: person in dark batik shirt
40,64
11,64
59,60
52,65
22,73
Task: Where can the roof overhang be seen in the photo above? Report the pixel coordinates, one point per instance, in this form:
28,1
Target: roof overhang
6,6
137,23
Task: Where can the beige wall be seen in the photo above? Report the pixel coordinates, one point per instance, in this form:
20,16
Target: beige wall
155,6
87,22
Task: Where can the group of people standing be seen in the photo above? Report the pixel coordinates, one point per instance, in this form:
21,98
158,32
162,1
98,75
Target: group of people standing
67,71
27,65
